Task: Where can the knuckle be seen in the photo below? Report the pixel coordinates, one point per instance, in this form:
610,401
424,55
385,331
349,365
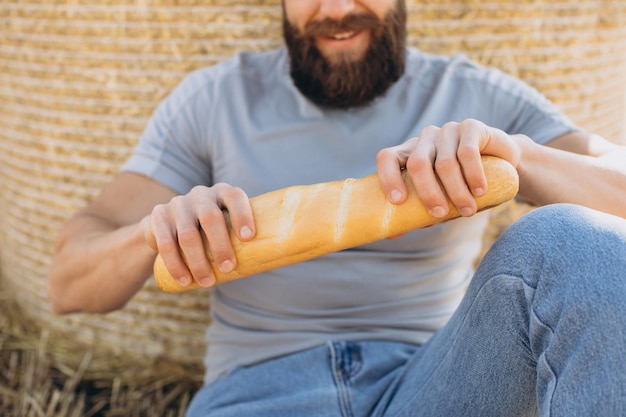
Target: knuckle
177,201
450,126
466,151
429,131
417,164
197,195
219,187
210,215
197,189
470,122
472,125
445,165
232,193
159,211
168,246
188,235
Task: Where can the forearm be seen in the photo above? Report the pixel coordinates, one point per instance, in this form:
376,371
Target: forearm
99,271
550,175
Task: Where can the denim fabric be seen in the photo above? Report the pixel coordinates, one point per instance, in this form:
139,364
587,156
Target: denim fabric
541,331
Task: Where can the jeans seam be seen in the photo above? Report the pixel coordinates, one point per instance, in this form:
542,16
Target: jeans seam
343,393
545,358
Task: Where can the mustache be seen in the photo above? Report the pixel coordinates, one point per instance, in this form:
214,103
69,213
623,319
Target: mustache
349,23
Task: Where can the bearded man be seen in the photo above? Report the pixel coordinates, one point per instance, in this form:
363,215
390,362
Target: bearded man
400,327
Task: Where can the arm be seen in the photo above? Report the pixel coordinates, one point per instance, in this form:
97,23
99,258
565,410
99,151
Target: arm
102,257
575,168
105,253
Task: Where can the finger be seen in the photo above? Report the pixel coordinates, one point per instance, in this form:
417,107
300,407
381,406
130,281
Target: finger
450,172
421,169
211,238
389,165
190,239
468,154
237,204
500,144
164,233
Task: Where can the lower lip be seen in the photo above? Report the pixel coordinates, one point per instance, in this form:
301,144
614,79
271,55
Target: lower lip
353,42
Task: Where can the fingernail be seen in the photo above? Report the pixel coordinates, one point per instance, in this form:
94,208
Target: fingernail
184,281
395,196
206,282
478,191
438,211
226,266
245,232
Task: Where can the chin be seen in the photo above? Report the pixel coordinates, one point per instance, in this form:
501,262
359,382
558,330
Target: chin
346,57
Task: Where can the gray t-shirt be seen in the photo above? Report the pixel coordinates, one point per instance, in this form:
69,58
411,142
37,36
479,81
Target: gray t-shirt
244,123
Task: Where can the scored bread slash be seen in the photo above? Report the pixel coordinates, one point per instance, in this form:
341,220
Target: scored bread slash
299,223
343,211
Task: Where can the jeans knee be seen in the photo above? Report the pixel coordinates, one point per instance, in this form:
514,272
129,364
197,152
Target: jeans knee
573,245
566,239
571,227
571,261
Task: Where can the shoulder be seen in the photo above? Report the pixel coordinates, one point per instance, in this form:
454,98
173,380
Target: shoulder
459,71
456,88
244,67
233,79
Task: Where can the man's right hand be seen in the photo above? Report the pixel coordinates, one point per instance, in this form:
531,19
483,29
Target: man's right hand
105,253
175,230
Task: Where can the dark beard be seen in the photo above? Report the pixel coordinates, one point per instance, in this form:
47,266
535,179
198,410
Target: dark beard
348,84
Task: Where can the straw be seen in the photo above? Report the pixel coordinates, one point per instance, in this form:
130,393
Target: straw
38,379
79,80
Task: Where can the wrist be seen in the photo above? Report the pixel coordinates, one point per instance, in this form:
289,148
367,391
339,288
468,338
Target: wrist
145,235
526,147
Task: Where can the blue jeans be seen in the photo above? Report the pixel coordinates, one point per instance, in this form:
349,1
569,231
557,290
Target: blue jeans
541,331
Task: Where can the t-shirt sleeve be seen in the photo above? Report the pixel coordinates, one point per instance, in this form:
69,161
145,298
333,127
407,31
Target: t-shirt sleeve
524,110
170,149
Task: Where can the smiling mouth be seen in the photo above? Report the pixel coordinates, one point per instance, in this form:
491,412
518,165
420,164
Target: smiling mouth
343,35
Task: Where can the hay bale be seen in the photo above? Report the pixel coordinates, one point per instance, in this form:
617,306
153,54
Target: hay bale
35,380
79,80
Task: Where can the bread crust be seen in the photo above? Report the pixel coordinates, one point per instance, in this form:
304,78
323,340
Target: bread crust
299,223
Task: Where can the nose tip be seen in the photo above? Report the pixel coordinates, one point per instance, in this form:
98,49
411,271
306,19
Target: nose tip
336,9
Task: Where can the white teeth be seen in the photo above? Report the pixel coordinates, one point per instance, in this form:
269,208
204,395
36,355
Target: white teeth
344,35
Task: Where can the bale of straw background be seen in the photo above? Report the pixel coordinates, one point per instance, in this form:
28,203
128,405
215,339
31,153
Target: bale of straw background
79,80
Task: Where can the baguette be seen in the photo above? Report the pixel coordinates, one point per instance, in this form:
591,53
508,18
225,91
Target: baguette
299,223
